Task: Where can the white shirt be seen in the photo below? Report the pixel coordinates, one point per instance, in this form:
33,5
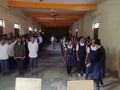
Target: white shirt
4,52
92,48
36,40
40,39
69,47
33,49
11,49
82,44
52,39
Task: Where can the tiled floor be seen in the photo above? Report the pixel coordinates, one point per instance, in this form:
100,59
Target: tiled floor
53,73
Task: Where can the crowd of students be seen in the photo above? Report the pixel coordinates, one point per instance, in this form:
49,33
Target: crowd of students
87,55
19,52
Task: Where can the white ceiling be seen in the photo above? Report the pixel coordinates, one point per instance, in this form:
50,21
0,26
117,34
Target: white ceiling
65,1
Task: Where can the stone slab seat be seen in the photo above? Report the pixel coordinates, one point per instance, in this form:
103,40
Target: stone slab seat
81,85
28,84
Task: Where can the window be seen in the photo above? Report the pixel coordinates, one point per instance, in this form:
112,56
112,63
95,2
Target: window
30,29
16,29
1,27
96,25
35,30
96,30
16,26
1,22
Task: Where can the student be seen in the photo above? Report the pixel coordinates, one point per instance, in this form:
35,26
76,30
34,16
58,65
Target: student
88,41
33,49
81,55
19,55
91,51
12,63
69,55
26,61
99,64
52,40
40,38
4,57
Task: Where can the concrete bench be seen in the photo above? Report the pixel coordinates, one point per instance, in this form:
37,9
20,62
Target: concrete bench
28,84
81,85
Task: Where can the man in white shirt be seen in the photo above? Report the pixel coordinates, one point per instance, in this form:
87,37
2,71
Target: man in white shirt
40,42
12,62
33,50
4,57
53,41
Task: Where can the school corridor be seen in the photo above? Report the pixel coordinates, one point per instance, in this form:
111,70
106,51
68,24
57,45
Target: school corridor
52,71
71,24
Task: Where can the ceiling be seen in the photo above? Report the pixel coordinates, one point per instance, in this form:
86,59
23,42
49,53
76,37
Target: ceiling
64,1
55,13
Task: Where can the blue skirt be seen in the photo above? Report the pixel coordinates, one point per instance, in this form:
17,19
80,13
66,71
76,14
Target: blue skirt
81,63
70,60
98,72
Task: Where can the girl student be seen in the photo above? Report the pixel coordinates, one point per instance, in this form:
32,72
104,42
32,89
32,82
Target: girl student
69,57
98,64
91,51
81,56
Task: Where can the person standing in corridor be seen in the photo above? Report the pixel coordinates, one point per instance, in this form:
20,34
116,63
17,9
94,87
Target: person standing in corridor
69,57
4,57
33,55
98,64
19,55
81,56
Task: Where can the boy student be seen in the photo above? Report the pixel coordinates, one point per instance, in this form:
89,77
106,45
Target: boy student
19,55
33,49
4,57
12,63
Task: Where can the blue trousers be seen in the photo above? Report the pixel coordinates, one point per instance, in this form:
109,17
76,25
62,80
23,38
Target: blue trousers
4,66
20,66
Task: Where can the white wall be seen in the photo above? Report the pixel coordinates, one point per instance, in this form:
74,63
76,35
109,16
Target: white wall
108,15
12,16
76,25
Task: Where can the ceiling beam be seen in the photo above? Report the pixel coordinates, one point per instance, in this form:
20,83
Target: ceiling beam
56,26
41,5
57,21
54,23
49,15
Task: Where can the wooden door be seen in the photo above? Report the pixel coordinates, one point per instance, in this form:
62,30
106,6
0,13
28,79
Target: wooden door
16,31
96,33
1,30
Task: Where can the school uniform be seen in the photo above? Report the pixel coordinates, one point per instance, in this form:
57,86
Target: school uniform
19,53
33,50
81,49
91,55
4,58
99,66
70,62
